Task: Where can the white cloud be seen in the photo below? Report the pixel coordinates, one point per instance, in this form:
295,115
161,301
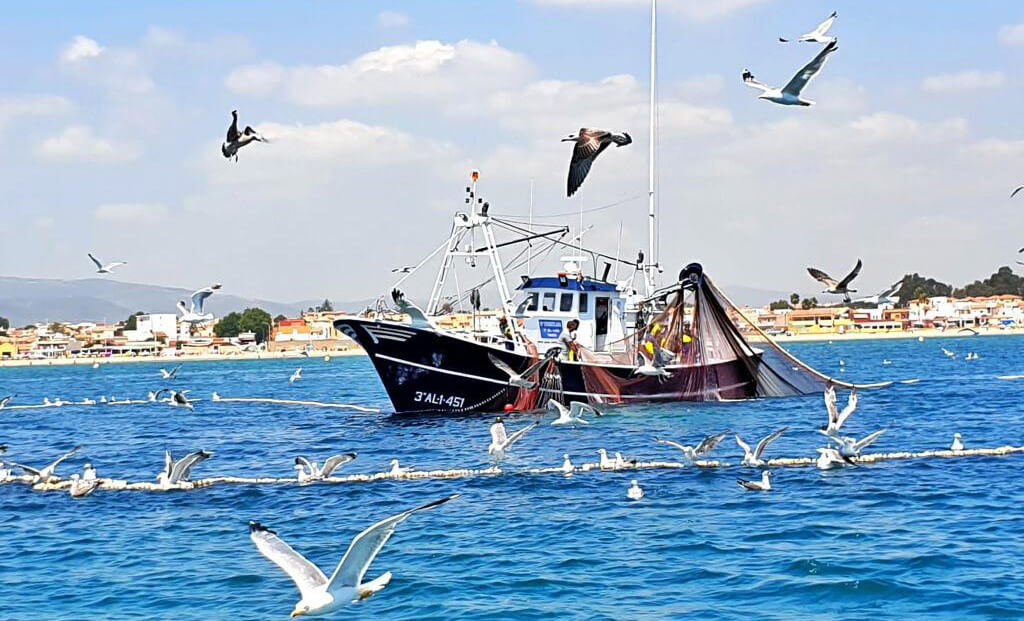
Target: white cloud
392,19
80,144
698,10
964,81
81,47
131,213
426,70
1012,34
176,45
12,108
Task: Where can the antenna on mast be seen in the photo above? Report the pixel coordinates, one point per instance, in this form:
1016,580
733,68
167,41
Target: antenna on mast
652,262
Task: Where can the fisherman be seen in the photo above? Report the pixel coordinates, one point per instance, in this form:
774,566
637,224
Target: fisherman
506,332
567,339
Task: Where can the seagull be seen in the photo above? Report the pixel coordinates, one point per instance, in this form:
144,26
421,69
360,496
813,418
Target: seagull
318,594
417,318
5,472
835,417
169,374
95,365
606,463
501,441
88,473
105,269
522,380
589,144
88,401
753,457
573,414
214,396
957,445
818,34
789,95
634,492
948,353
764,485
567,466
406,269
45,474
653,368
886,362
176,472
840,287
851,447
194,312
885,296
297,375
706,445
5,400
1019,188
236,140
830,458
622,462
398,470
310,471
80,488
179,400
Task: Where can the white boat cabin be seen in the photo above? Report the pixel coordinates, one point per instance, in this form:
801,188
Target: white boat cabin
547,304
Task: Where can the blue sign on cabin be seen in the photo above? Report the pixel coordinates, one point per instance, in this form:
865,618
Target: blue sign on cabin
550,328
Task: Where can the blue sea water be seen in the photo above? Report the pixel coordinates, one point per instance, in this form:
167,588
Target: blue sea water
938,538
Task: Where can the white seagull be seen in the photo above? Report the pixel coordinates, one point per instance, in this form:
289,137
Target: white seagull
589,144
80,488
753,457
567,466
692,454
851,447
818,34
236,140
830,458
652,368
179,400
789,95
835,417
764,485
318,594
176,472
5,400
105,269
501,441
397,469
310,471
605,463
164,373
45,474
521,379
837,287
88,473
949,354
297,375
194,312
957,445
573,414
634,492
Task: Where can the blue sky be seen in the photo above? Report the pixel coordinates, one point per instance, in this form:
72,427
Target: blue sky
111,116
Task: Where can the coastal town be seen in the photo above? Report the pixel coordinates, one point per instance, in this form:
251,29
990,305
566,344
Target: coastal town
163,335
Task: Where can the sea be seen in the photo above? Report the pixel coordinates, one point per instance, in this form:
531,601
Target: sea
938,538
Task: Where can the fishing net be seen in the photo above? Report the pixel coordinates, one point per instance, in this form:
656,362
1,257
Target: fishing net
709,350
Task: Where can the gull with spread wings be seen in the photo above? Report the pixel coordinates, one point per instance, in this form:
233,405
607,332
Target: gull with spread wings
836,287
589,144
789,95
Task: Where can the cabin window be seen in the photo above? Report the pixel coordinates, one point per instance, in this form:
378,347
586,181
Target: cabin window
527,305
583,303
549,303
601,315
565,303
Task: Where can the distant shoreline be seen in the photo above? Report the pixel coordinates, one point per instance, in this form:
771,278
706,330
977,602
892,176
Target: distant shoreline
173,360
866,336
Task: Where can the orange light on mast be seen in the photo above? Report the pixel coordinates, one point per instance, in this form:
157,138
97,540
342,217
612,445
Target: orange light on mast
476,175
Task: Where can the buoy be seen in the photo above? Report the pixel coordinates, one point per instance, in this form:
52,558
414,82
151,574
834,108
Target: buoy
509,407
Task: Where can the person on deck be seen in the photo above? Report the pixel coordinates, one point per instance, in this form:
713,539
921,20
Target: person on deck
506,332
567,339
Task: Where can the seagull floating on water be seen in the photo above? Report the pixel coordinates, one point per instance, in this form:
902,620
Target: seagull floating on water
88,472
397,469
764,485
818,34
949,354
573,414
605,463
164,373
194,312
318,594
958,444
105,269
753,457
80,488
310,471
634,492
567,466
851,447
176,472
836,287
5,400
589,144
179,400
789,95
622,462
501,441
297,375
236,140
830,458
43,475
706,445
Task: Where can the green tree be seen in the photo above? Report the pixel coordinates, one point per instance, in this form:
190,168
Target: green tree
914,286
229,326
1003,282
326,307
5,324
132,322
780,304
794,299
279,319
808,303
257,321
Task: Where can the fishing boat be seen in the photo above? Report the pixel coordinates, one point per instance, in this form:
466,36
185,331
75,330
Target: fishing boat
631,339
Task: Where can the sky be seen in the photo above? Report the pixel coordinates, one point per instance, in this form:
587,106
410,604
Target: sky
111,118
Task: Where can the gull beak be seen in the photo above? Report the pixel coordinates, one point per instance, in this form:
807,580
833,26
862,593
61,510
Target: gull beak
298,612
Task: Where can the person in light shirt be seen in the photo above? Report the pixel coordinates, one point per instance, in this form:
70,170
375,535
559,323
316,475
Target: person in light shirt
567,339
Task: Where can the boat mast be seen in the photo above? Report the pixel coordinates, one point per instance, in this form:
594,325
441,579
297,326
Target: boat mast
652,260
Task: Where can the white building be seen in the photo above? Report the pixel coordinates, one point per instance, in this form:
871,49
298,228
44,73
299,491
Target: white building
146,326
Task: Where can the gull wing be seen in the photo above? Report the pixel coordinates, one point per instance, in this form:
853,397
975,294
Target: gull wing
173,372
498,434
302,461
587,148
751,485
99,265
867,440
765,441
500,364
536,366
851,405
232,134
671,443
743,445
579,408
825,25
54,465
1019,188
556,406
367,544
512,439
183,467
709,443
822,277
830,404
853,274
335,461
751,81
306,576
200,296
27,469
810,70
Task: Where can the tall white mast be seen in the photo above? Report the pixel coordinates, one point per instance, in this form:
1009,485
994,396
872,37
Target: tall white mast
652,263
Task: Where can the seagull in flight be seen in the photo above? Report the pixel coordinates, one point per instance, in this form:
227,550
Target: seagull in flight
523,379
589,144
572,415
753,457
319,594
405,269
835,417
236,140
789,95
179,400
176,472
194,312
764,485
1019,188
884,296
652,368
167,375
297,375
706,445
105,269
5,400
818,34
501,441
851,447
43,475
310,471
417,318
837,287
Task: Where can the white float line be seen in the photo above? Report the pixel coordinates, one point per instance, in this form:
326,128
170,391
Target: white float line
418,475
318,404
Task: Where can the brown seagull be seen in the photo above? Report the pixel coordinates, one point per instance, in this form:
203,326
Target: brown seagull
589,144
